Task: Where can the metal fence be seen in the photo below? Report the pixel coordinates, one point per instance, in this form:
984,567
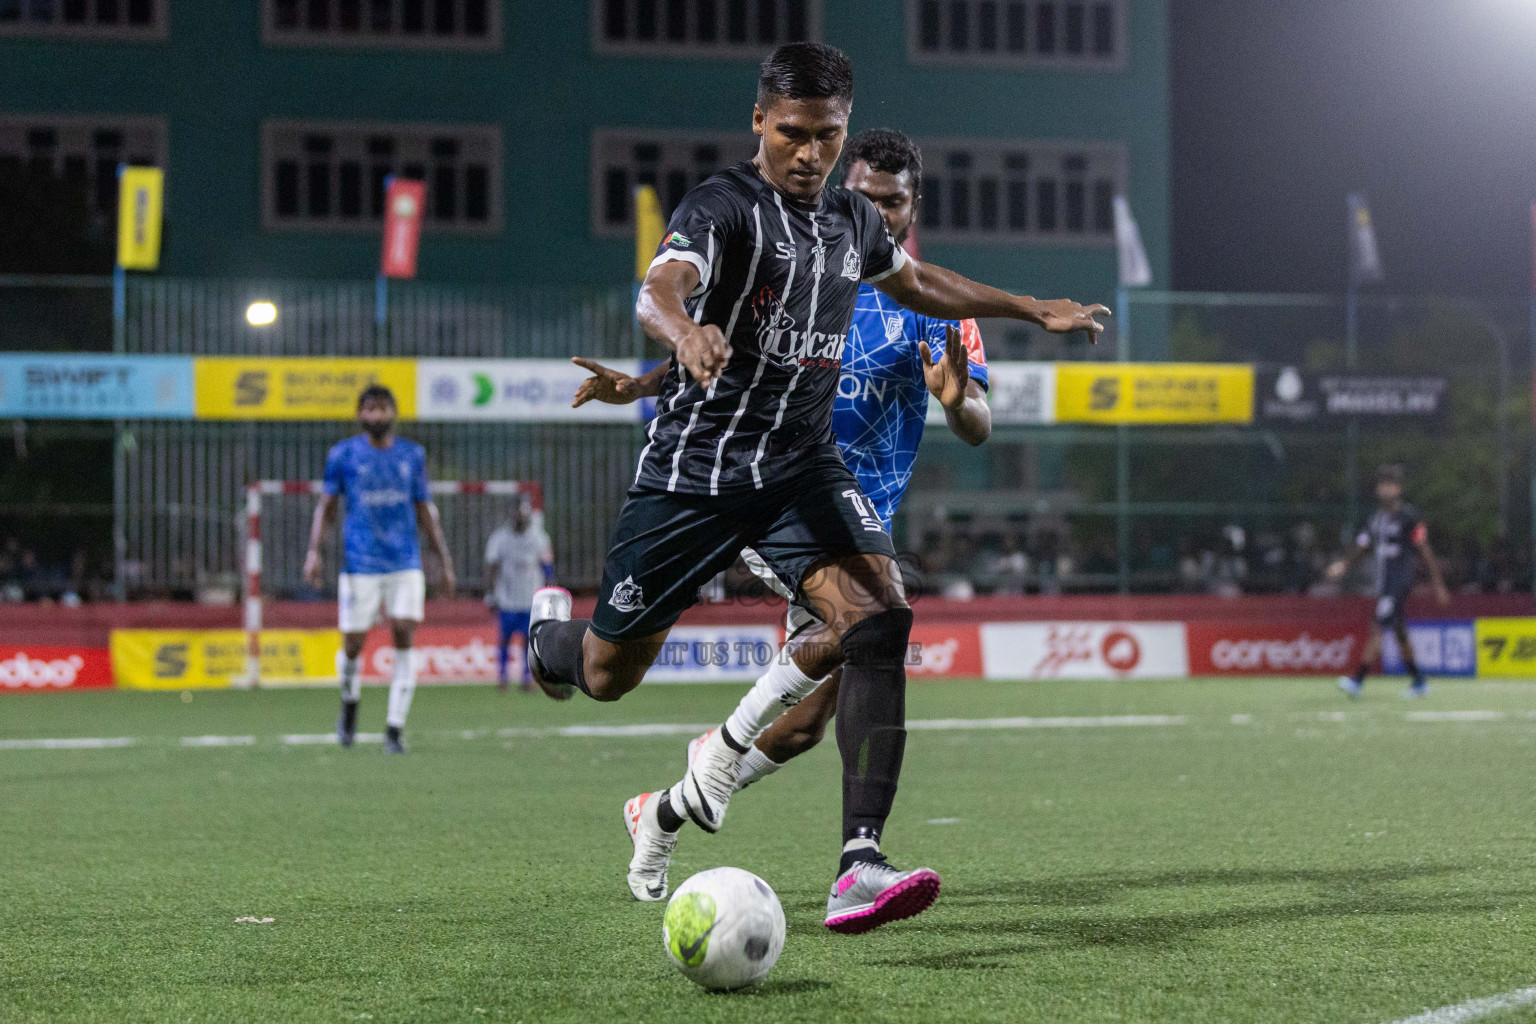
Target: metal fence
1087,508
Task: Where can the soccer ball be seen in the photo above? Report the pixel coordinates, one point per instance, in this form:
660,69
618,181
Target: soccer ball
724,928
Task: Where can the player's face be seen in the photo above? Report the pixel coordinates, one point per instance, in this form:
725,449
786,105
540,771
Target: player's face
1388,491
520,520
376,417
801,141
892,194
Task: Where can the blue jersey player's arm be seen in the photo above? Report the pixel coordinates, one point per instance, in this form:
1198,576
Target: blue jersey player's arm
325,514
429,522
956,382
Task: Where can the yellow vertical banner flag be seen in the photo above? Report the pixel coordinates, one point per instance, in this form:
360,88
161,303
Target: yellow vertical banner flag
140,203
649,227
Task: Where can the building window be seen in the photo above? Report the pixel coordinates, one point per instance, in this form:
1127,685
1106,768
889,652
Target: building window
329,176
1004,191
1019,33
83,151
97,19
429,24
672,162
702,28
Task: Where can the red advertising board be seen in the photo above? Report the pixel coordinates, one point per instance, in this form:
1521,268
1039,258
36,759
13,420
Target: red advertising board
404,203
940,651
1273,648
35,669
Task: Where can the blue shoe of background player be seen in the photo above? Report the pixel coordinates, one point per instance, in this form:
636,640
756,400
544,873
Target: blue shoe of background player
1351,686
1418,688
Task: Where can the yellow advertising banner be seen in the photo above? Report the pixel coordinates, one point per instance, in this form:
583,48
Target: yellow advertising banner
232,388
189,659
140,202
1506,648
1157,393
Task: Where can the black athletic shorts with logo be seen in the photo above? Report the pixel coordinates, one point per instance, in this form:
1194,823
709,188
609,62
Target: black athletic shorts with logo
667,545
1392,608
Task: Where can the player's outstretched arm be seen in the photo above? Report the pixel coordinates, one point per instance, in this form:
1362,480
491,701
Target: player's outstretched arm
615,388
934,291
325,512
701,348
949,380
431,524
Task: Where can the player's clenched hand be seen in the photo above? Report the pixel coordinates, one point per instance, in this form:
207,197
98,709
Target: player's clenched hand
605,385
948,375
1063,316
704,352
312,569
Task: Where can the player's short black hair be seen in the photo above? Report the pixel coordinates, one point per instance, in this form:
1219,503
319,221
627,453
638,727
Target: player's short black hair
376,392
805,71
1390,472
887,150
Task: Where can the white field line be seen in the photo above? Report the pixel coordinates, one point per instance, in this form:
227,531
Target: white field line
1102,721
218,741
647,729
79,743
1475,1009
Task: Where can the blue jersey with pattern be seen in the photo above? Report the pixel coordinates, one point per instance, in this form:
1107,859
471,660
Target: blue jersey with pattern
380,487
882,398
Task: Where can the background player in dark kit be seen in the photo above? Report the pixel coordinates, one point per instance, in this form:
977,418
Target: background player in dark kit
1390,538
753,289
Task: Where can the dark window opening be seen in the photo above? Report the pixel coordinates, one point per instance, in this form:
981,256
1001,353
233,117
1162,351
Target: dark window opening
736,20
287,187
932,208
477,192
349,15
1077,206
285,14
1045,205
677,187
704,15
141,12
767,21
477,18
645,20
986,27
445,193
1103,30
1016,22
960,204
1045,28
350,190
106,12
413,17
616,196
377,175
799,22
74,11
613,19
959,25
381,15
443,17
1018,206
677,21
986,204
1103,206
318,185
928,25
318,17
1076,28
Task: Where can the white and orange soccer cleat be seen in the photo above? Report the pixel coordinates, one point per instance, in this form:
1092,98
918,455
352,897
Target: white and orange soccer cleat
653,848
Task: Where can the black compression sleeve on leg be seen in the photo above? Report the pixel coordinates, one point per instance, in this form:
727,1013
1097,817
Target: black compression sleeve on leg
871,718
558,645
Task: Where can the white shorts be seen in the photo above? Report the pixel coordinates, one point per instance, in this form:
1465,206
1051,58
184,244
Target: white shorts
361,597
798,618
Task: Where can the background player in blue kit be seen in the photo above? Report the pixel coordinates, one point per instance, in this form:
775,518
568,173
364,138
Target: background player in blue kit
1392,536
894,361
383,480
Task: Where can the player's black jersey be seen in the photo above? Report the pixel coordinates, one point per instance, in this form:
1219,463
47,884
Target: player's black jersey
1392,538
780,280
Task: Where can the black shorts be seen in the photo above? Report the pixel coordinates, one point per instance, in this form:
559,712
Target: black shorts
1391,609
666,546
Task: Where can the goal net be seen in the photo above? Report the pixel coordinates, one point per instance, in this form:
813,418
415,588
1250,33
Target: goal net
276,533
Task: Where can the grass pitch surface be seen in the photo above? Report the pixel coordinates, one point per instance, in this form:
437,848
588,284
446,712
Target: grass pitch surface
1264,851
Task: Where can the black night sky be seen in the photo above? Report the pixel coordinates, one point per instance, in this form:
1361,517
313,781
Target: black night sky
1280,107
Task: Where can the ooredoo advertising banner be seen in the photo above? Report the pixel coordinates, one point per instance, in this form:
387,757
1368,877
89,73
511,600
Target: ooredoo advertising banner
939,652
1084,650
1273,648
444,654
36,669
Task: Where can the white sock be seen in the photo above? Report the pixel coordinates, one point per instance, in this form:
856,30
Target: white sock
754,765
402,687
861,844
347,669
776,691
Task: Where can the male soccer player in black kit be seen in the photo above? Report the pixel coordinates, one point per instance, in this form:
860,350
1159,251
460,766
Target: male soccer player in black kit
753,288
1391,537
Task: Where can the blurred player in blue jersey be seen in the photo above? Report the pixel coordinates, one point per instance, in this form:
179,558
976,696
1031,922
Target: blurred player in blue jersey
383,480
894,361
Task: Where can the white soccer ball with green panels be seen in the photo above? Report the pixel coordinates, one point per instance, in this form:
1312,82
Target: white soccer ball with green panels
724,928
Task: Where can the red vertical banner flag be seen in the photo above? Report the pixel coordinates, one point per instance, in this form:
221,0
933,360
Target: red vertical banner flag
404,202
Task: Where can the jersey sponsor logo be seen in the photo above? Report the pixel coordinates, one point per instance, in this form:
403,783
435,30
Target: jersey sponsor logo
862,389
894,328
677,240
819,255
851,267
777,336
862,509
627,596
785,251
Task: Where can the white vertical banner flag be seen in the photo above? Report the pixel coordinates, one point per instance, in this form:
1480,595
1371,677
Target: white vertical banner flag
1135,270
1364,257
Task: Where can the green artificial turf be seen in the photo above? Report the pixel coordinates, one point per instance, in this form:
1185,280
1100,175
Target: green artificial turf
1317,860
